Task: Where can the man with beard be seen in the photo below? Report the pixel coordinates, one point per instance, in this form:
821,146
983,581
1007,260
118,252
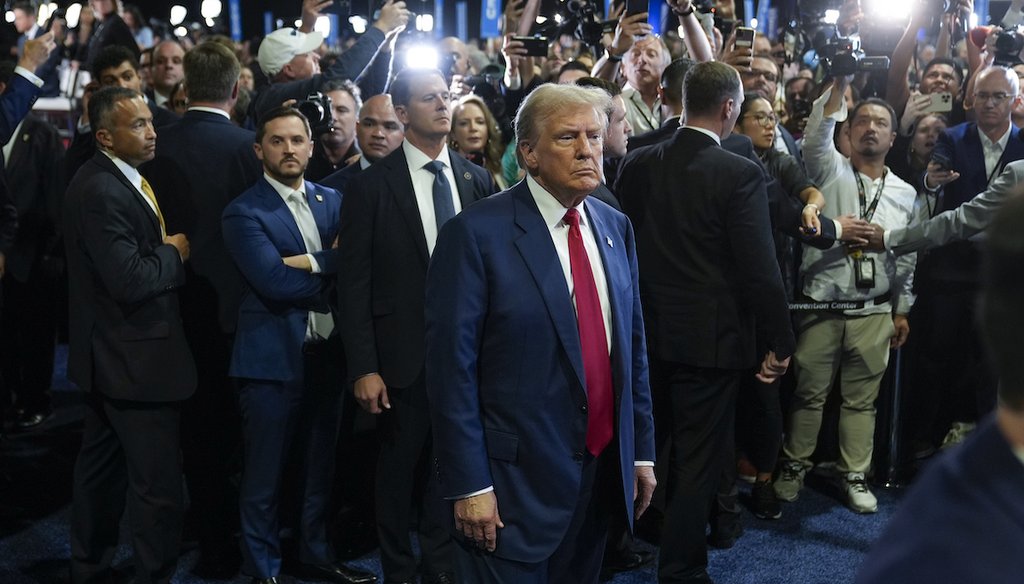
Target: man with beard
337,146
282,234
378,133
856,302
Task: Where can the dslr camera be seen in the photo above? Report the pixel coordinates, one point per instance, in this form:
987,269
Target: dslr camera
317,109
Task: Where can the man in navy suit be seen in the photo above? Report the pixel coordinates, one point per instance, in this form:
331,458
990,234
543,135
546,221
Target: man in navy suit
392,213
536,359
26,24
203,161
282,234
963,519
953,386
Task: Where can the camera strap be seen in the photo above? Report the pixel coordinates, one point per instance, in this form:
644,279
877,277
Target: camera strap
868,211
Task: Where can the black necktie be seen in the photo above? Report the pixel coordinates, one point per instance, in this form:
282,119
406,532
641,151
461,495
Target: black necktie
444,208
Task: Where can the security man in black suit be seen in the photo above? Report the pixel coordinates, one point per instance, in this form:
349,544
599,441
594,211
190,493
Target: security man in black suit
390,217
202,162
127,351
710,286
114,66
28,324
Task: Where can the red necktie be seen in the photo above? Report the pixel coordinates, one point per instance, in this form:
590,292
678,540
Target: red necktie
590,320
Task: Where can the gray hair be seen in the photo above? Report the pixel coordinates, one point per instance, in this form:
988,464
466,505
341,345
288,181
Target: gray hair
550,99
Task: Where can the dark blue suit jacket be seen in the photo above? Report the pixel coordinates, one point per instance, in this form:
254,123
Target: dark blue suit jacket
505,369
259,230
959,261
202,162
963,520
338,180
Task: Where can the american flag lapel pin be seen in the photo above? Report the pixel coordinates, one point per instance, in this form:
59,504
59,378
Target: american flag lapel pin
609,240
319,198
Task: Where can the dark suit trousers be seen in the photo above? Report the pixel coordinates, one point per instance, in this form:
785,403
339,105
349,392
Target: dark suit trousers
129,454
703,408
211,444
952,380
404,488
578,557
274,414
28,329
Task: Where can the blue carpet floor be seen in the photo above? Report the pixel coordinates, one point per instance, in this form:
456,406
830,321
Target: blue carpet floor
817,541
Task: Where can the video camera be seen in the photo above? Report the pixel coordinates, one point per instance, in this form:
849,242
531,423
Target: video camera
841,56
317,109
1009,44
581,20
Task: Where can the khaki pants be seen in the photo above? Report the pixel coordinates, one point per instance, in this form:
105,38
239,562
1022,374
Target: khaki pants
856,347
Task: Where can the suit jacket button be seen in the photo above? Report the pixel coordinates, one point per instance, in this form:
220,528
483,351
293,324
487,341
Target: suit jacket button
583,408
578,456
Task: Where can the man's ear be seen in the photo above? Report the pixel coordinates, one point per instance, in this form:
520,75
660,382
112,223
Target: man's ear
402,114
528,155
259,150
104,138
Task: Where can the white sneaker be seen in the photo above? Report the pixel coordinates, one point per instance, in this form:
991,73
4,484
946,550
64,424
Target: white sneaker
790,480
859,497
958,432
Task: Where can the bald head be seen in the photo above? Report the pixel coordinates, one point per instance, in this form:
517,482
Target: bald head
457,49
378,131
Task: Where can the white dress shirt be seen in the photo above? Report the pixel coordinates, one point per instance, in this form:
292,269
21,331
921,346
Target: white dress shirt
319,325
829,274
993,151
423,186
133,176
553,213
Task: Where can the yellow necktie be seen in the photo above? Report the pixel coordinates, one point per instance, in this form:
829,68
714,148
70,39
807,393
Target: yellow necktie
148,190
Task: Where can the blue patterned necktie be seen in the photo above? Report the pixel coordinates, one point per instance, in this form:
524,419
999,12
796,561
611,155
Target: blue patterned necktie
444,208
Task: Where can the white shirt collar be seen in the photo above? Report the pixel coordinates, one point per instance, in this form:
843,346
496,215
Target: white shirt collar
1001,142
130,172
284,190
210,110
550,209
364,163
706,132
417,159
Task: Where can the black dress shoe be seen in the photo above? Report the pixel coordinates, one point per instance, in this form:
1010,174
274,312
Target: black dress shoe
31,418
255,580
441,578
625,561
334,573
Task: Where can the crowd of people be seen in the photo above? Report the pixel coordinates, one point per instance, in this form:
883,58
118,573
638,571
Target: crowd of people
559,290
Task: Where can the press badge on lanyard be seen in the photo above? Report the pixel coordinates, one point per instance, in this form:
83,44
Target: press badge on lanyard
864,267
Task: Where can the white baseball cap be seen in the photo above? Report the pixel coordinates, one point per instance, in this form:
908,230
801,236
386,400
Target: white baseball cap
281,46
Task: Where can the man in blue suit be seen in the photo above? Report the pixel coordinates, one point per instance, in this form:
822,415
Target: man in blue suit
536,359
953,386
282,234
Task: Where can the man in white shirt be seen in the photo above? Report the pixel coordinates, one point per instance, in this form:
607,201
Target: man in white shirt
953,386
858,301
392,213
536,359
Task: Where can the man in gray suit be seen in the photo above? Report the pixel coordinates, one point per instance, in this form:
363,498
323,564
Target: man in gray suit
964,222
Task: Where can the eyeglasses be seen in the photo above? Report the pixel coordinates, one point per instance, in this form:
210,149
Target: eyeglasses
995,98
766,120
768,75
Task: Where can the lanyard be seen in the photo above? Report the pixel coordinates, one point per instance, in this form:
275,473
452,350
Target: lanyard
868,211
